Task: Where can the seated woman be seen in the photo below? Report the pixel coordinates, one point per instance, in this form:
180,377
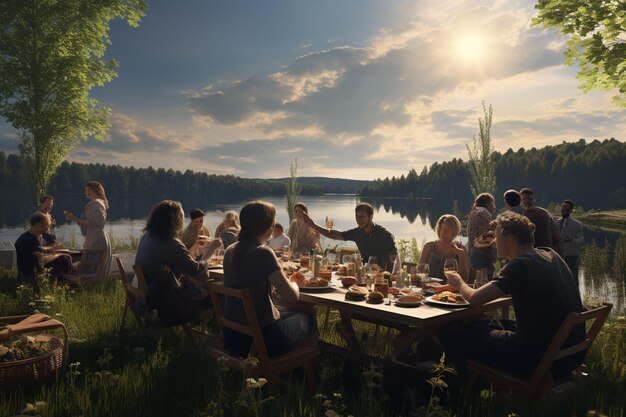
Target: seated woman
252,265
303,238
228,229
436,252
177,283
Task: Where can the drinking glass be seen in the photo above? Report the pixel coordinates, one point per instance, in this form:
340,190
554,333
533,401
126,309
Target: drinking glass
421,272
481,278
329,222
451,266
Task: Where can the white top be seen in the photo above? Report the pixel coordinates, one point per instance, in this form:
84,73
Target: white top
279,242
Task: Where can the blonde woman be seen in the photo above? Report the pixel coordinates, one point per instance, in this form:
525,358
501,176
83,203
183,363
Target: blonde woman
228,229
92,220
436,252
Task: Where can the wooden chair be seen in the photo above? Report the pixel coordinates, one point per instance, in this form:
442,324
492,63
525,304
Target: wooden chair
301,356
541,381
91,267
135,297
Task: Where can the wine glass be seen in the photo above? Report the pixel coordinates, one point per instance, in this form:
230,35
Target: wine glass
450,266
481,278
329,222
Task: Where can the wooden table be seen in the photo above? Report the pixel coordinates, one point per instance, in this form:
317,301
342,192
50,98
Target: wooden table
425,316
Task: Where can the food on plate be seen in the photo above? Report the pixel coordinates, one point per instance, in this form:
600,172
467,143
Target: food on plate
393,291
437,287
342,270
297,276
486,239
411,299
314,282
449,297
348,281
326,274
356,293
375,297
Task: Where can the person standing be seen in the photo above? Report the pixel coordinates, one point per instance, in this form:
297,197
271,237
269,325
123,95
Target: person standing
92,221
546,233
572,235
45,206
478,224
512,201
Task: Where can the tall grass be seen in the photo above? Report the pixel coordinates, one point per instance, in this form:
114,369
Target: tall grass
117,373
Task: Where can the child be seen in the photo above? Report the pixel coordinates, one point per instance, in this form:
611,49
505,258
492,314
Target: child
279,240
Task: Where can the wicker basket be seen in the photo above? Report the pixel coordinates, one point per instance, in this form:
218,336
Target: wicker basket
37,369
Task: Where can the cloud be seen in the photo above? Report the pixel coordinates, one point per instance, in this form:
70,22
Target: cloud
349,90
8,142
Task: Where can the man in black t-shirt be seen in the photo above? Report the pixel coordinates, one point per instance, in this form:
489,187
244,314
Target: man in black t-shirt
371,239
31,255
543,293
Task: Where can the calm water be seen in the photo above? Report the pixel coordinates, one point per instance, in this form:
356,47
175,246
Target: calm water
405,219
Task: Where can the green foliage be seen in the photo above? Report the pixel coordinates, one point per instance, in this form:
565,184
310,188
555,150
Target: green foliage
589,173
51,56
481,164
596,40
292,189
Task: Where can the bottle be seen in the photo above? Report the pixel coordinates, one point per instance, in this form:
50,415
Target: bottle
401,278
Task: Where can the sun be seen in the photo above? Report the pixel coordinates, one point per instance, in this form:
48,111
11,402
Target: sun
470,49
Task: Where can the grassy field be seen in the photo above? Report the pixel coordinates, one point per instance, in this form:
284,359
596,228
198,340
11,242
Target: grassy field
115,373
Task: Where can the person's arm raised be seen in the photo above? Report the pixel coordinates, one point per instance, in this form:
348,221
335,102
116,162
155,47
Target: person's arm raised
332,234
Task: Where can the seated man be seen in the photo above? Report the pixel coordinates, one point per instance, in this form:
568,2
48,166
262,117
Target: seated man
195,228
543,293
47,238
279,240
372,240
31,255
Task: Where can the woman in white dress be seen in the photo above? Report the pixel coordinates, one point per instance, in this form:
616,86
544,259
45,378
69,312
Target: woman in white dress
91,222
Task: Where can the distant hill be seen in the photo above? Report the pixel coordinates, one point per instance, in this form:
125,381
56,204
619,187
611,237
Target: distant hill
329,185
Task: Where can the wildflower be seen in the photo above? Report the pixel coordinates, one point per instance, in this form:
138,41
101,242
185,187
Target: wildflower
252,383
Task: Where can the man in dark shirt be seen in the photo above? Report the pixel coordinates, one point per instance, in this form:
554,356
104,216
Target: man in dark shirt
543,293
31,255
546,234
48,237
371,239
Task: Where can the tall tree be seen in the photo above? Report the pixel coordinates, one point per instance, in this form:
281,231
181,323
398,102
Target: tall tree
481,165
51,56
597,40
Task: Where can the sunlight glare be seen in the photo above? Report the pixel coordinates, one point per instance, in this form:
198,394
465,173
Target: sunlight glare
470,48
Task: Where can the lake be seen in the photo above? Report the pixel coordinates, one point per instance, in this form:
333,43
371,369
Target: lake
404,218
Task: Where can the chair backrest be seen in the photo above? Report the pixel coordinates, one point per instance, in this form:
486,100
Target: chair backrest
92,263
556,350
253,328
141,279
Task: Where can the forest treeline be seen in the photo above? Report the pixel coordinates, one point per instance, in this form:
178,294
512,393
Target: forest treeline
134,190
592,174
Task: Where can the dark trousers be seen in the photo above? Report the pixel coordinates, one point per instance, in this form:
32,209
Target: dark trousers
60,266
572,263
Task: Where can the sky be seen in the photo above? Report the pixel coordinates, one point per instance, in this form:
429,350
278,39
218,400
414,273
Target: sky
359,89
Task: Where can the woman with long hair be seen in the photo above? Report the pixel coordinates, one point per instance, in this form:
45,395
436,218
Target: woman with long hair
92,221
250,264
303,238
165,262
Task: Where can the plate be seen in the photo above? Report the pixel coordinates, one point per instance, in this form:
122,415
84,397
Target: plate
408,304
446,304
305,289
434,279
